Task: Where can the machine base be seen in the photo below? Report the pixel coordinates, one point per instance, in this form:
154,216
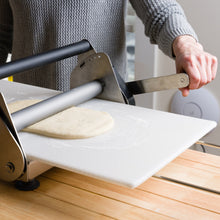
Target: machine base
27,186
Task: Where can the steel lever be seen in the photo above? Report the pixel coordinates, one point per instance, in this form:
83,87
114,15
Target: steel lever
173,81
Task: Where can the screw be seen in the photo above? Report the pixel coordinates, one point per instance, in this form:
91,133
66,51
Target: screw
10,167
182,80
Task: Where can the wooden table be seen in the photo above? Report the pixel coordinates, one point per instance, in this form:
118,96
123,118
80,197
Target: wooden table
66,195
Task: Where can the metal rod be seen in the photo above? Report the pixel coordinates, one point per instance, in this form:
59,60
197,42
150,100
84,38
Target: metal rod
55,104
41,59
186,183
208,144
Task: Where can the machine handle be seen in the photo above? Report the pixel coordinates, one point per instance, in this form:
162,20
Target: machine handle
44,58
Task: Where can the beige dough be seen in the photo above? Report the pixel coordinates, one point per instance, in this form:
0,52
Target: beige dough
72,123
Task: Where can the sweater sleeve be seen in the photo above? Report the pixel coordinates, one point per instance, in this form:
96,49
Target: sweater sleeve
6,30
164,20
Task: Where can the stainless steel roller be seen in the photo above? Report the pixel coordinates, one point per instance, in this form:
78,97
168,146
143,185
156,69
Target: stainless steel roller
37,112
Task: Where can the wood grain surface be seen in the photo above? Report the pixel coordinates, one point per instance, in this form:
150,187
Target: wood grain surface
67,195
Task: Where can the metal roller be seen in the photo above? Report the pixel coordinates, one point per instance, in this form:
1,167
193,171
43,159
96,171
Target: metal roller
37,112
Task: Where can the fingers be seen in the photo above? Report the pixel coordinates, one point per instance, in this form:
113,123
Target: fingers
209,70
214,66
203,66
193,60
200,67
203,71
185,91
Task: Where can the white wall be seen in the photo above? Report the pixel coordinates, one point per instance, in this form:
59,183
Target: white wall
204,16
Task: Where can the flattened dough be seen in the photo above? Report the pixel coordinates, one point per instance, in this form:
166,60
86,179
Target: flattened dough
72,123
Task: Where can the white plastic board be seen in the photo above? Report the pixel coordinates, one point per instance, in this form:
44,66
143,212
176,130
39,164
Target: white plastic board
141,143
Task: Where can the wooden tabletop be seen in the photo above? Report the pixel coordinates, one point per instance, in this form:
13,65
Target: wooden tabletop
187,188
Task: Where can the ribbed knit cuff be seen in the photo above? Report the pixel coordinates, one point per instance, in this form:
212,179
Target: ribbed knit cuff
174,27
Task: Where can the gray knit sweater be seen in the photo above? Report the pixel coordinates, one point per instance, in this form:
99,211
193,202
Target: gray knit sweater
32,26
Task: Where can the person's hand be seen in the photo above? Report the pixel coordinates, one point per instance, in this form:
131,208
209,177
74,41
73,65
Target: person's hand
193,60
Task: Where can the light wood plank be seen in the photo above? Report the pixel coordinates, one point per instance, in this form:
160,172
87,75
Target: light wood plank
191,175
182,193
196,165
134,197
95,202
67,195
15,204
200,157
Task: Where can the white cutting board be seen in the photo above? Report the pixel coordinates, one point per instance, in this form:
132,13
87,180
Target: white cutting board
141,143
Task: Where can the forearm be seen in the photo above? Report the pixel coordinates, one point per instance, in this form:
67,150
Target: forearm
164,20
6,30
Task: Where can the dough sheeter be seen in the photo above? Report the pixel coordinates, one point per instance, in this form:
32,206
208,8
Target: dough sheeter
141,142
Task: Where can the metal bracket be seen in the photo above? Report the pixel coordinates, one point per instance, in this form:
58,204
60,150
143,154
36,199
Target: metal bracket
12,158
97,66
14,164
